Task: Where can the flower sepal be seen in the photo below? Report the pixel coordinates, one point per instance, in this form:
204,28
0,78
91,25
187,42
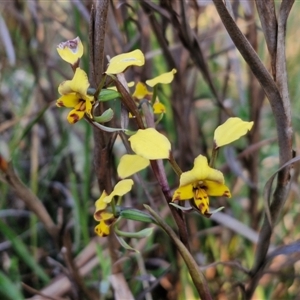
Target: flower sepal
105,117
207,214
135,235
182,208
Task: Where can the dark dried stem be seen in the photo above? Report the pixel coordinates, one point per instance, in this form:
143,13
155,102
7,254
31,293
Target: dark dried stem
278,97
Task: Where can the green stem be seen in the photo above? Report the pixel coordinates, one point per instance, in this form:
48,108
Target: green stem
174,165
113,207
197,276
213,157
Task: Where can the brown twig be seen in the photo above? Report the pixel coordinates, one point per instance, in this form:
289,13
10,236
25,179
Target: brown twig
278,96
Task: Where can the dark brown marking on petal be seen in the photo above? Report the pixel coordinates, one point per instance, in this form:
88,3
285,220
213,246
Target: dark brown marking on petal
60,104
109,221
75,118
226,194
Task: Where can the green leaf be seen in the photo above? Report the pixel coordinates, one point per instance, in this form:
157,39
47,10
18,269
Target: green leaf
8,289
23,253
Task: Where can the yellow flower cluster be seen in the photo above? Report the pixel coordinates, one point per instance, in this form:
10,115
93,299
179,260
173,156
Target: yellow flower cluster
74,93
197,184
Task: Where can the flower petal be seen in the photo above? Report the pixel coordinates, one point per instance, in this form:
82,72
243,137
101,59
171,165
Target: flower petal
100,205
184,193
69,100
102,229
74,116
120,189
71,50
88,105
159,108
150,144
79,83
217,189
230,131
120,62
141,91
131,164
64,88
106,216
164,78
200,172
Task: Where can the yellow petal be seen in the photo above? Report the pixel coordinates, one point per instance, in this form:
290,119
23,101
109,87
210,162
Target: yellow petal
184,193
74,116
120,189
88,106
102,229
131,164
120,62
159,108
216,189
80,83
201,171
71,50
105,216
100,205
164,78
150,144
64,88
230,131
141,91
70,100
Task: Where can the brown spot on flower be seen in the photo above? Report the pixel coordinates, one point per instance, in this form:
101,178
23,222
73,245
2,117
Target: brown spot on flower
109,221
59,103
75,118
226,194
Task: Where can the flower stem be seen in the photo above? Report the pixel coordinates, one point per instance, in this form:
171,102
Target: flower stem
213,157
174,165
194,270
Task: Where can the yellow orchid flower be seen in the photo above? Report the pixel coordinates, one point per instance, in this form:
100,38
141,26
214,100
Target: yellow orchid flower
105,217
74,94
120,63
150,144
231,131
199,183
71,51
164,78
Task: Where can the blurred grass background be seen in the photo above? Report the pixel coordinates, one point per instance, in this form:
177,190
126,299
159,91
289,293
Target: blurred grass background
55,159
